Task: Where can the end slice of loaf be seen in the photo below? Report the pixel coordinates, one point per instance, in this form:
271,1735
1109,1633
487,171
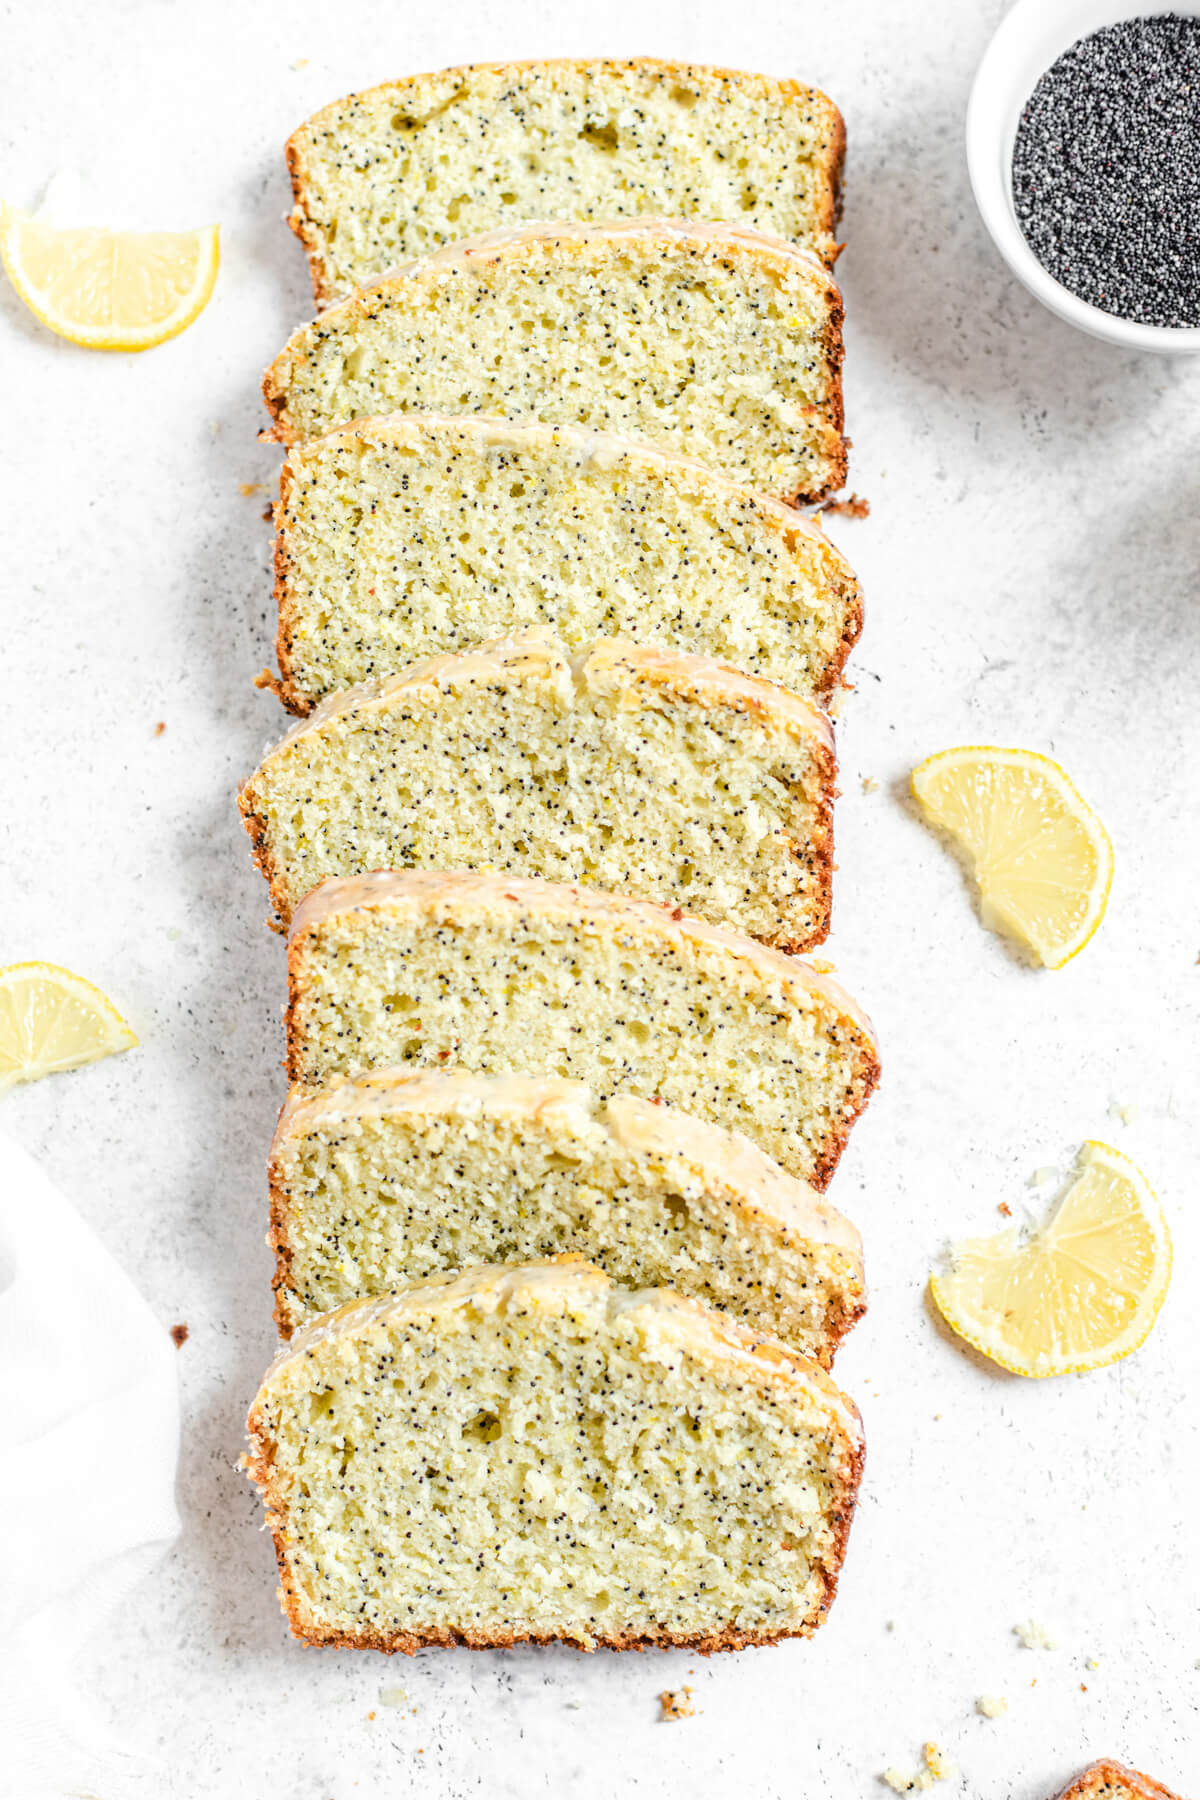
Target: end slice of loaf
402,168
418,535
529,1453
1108,1780
641,770
504,976
708,340
398,1176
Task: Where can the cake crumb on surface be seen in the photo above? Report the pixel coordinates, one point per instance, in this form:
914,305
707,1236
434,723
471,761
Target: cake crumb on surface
179,1335
937,1768
1005,1209
1032,1636
678,1704
869,784
991,1706
252,487
854,506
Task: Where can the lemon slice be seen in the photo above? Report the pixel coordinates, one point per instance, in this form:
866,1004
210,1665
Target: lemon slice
1078,1294
52,1020
109,290
1041,857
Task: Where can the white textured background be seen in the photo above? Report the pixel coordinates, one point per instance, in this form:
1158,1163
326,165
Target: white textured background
1031,572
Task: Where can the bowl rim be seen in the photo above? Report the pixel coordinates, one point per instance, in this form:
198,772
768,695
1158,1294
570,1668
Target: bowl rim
999,91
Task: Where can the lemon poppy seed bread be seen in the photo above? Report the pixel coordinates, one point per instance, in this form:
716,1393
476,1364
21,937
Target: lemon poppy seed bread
396,171
1108,1780
398,1176
530,1453
631,768
415,535
708,340
498,975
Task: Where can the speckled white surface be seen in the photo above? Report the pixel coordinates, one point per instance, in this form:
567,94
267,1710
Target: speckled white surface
1031,570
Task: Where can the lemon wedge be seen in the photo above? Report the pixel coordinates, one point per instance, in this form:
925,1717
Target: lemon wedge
1041,857
1077,1294
109,290
52,1020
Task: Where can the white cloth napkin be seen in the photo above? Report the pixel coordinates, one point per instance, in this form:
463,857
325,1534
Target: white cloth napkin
87,1475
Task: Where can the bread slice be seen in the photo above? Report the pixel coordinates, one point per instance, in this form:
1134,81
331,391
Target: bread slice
504,976
1109,1780
398,1176
530,1453
418,535
706,339
632,768
396,171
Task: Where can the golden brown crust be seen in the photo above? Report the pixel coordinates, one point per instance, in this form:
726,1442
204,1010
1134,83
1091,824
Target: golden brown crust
325,290
1108,1780
671,468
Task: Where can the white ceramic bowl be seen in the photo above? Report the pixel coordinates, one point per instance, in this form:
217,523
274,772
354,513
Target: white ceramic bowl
1032,36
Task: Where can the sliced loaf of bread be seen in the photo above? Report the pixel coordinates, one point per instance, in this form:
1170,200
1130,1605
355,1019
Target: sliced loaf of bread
398,1176
400,169
505,976
631,768
415,535
708,340
529,1453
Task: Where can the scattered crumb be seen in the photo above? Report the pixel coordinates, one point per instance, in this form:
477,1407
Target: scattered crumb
392,1696
160,728
677,1705
214,428
1083,1687
1005,1209
301,62
179,1336
991,1706
268,513
854,506
1040,1177
1032,1636
1125,1113
1093,1662
173,934
869,784
937,1768
370,1715
252,487
822,965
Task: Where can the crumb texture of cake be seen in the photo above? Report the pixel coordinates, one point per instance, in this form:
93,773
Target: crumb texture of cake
530,1453
1108,1780
626,767
708,340
416,535
396,1177
502,975
400,169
